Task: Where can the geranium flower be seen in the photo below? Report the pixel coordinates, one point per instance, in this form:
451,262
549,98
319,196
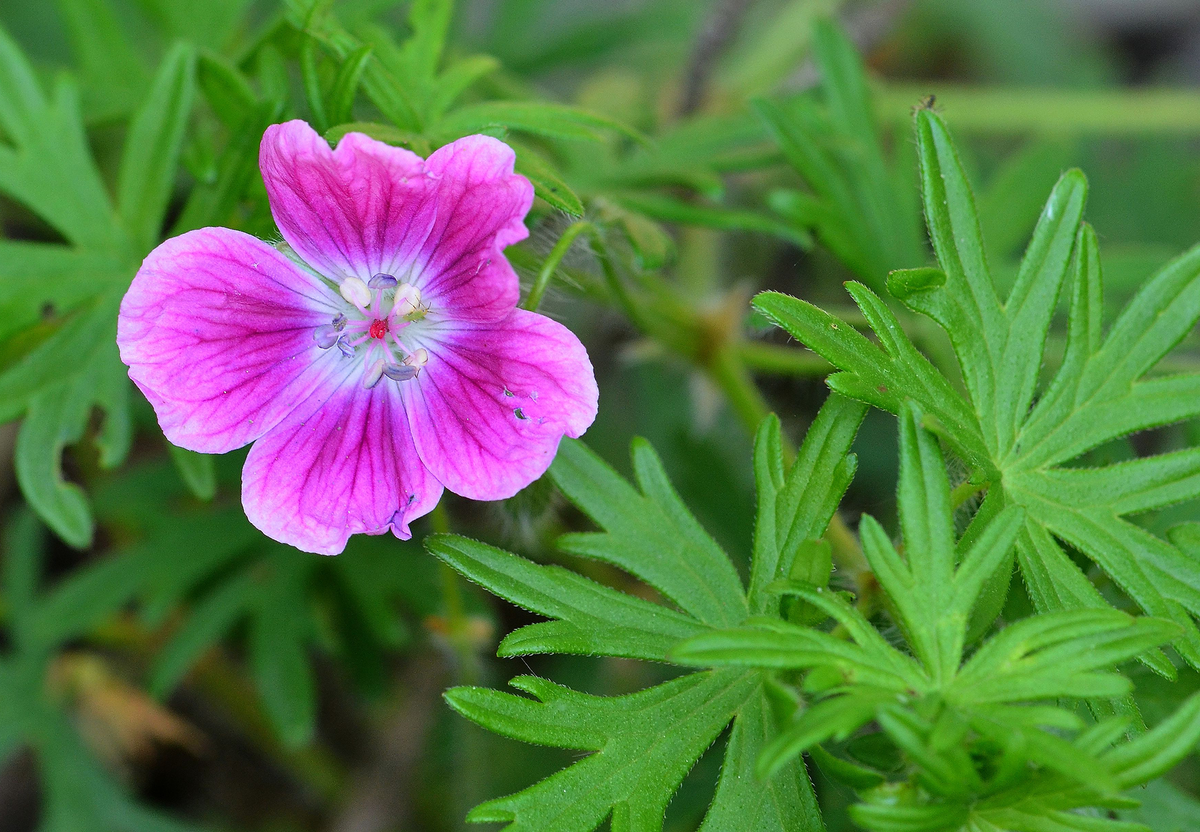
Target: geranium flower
376,358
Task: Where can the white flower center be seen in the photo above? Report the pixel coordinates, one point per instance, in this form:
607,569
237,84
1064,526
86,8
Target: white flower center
365,327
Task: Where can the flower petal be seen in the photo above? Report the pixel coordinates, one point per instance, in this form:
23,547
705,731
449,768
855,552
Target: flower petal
345,212
490,407
481,206
217,331
368,208
342,464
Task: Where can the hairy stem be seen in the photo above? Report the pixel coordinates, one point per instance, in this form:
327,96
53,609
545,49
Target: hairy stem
552,260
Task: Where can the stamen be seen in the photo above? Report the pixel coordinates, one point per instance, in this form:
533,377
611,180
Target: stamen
400,372
408,300
382,281
356,292
374,373
326,336
339,322
419,358
347,349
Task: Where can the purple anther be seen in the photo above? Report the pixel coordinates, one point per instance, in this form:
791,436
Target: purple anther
326,336
339,322
382,281
346,349
400,372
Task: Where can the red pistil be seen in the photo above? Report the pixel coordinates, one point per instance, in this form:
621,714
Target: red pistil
379,329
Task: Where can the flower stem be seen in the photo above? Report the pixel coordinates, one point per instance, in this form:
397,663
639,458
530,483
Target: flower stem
965,491
1016,111
552,260
729,371
771,358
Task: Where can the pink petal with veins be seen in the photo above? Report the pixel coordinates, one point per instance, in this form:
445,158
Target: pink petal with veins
492,404
368,208
343,464
217,330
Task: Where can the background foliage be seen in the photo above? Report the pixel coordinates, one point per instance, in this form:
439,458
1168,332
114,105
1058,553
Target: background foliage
957,592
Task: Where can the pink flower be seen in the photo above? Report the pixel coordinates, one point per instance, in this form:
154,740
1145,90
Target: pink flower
375,359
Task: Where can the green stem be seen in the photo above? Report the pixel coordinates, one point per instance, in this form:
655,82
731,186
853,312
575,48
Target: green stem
1018,111
552,260
730,374
965,491
456,619
771,358
458,626
620,292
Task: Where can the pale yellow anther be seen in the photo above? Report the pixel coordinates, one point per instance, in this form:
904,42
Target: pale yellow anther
355,291
408,300
419,358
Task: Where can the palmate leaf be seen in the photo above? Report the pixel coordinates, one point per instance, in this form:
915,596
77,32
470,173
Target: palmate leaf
973,732
1017,448
56,371
643,744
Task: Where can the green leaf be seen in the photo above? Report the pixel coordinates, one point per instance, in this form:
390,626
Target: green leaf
785,803
457,79
782,645
208,622
57,418
55,360
225,87
237,168
1014,446
204,543
279,651
314,95
835,718
1164,808
1058,654
21,569
151,154
1032,300
48,166
196,470
87,597
382,78
650,534
861,206
1157,751
590,619
668,209
112,72
643,743
966,305
883,375
924,501
547,183
58,415
555,121
345,85
430,22
798,506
